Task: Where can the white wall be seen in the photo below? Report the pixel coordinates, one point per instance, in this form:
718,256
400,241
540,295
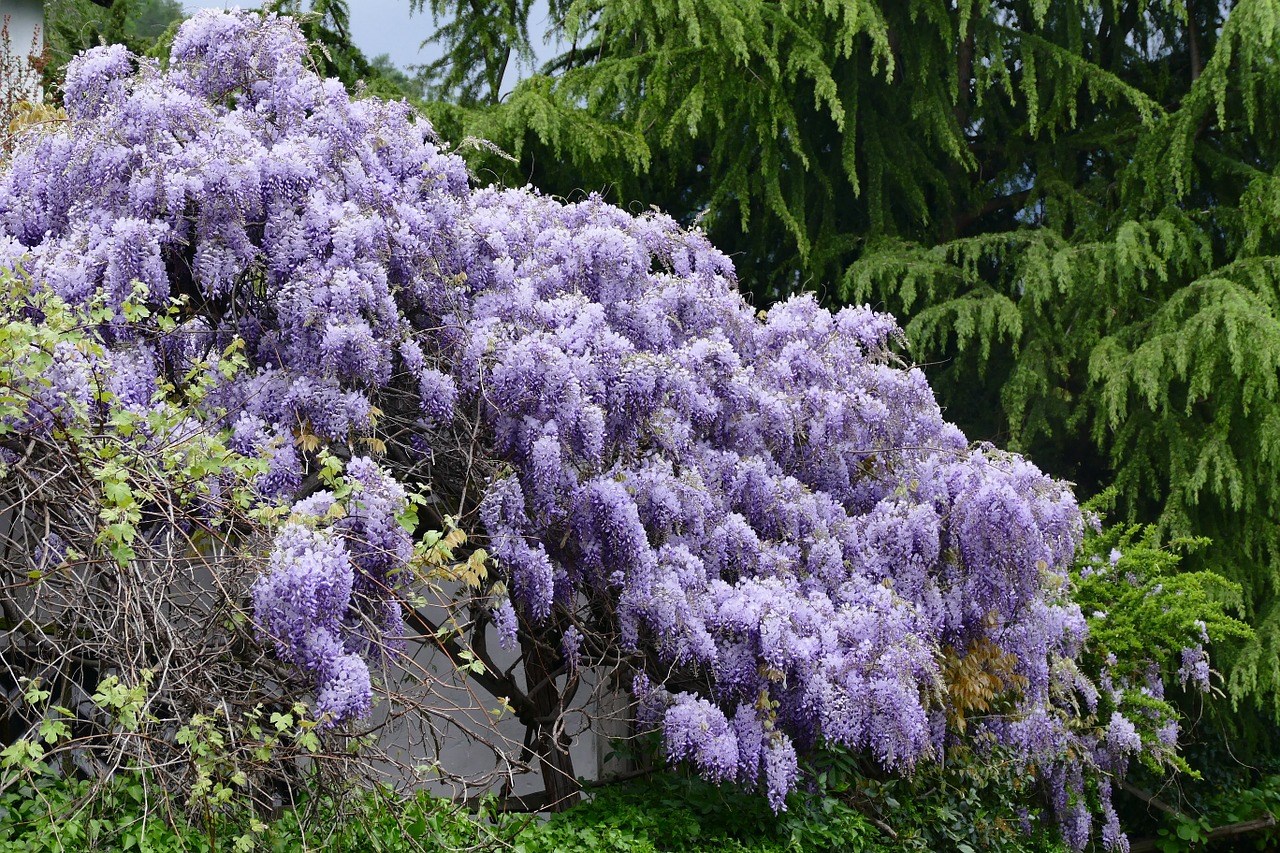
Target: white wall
25,16
26,19
475,752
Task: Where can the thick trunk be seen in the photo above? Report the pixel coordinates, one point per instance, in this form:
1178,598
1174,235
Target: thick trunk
540,665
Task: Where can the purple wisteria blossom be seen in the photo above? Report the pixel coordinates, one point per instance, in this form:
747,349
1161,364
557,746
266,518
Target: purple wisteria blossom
301,603
765,516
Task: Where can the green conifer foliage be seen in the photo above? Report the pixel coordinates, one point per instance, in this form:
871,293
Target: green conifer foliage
479,40
1130,321
1075,205
74,25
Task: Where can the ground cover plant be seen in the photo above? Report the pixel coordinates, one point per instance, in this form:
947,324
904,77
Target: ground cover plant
666,812
288,399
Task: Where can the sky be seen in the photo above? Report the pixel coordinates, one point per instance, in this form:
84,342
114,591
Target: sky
385,26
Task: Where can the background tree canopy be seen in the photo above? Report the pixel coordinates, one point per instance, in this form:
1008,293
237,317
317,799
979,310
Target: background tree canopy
74,25
1072,206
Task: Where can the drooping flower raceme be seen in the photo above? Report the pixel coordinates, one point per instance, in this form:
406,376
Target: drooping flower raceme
766,515
328,597
302,602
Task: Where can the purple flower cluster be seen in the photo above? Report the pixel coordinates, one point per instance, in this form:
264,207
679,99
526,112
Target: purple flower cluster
772,502
329,597
770,506
245,183
253,437
77,383
302,603
67,387
1195,668
380,549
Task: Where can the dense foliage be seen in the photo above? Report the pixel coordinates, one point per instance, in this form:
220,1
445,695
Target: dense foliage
760,526
667,812
54,815
1071,205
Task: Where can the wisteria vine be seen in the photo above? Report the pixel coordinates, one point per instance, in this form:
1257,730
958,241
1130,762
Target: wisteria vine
764,516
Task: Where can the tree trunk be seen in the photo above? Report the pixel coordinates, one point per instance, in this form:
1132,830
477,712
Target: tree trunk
540,664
